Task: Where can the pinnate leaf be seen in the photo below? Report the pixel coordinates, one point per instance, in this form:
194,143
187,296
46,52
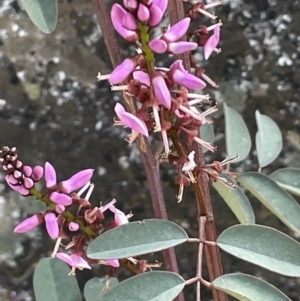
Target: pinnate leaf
43,13
278,201
238,140
248,288
149,286
263,246
268,139
96,287
52,283
236,199
136,238
288,179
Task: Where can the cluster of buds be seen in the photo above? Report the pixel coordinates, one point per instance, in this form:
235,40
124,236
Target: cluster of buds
59,222
164,97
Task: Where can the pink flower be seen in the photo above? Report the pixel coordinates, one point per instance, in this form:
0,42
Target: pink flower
73,226
182,77
158,45
113,262
122,71
181,47
10,179
77,181
142,77
29,223
161,90
137,125
74,260
37,173
118,15
212,42
51,225
61,198
177,30
143,13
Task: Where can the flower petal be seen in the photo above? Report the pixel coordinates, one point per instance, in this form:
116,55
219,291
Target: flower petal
158,45
181,47
50,175
79,262
177,30
212,43
188,80
113,262
161,91
156,15
142,77
29,223
131,120
37,173
51,225
60,198
122,71
65,257
77,181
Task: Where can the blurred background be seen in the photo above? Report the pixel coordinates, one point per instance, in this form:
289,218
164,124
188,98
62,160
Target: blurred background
53,109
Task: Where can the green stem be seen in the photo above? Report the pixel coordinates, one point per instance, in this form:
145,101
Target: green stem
149,55
66,214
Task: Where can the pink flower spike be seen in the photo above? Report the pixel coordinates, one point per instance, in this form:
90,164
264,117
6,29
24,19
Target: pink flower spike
50,175
122,71
143,13
29,223
177,30
77,181
131,121
181,47
156,15
51,225
212,42
60,198
158,45
113,262
73,226
142,77
37,173
161,91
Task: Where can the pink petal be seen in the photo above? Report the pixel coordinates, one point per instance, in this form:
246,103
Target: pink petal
129,22
37,173
29,224
158,45
77,181
142,77
117,16
143,13
60,198
131,121
122,71
50,175
113,262
161,91
65,257
162,4
120,217
51,225
212,43
19,188
177,30
28,183
181,47
27,170
60,209
188,80
10,179
79,262
73,226
156,15
130,4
